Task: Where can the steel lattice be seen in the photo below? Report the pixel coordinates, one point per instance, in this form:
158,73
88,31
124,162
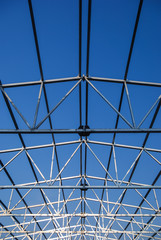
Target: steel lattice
81,175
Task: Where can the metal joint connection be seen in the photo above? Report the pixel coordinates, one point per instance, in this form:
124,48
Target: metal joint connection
84,133
84,187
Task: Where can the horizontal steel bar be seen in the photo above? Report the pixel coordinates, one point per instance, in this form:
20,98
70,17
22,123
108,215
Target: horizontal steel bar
67,231
41,146
87,176
79,215
21,84
79,131
151,84
83,188
48,81
123,146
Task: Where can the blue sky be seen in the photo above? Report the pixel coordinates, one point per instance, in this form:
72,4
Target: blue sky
112,26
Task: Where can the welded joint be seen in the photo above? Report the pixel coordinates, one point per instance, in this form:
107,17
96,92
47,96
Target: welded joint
84,187
84,132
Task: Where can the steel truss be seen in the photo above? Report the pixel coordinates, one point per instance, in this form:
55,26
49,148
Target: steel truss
68,205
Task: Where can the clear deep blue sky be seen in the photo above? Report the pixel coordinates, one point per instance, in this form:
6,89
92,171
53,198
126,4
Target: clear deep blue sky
112,24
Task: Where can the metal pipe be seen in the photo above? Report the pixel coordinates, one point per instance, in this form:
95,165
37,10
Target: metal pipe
79,131
58,215
32,83
133,82
83,188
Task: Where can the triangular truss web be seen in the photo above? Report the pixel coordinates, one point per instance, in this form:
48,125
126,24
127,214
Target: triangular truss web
80,125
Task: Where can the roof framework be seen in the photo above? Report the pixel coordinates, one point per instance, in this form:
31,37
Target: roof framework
90,187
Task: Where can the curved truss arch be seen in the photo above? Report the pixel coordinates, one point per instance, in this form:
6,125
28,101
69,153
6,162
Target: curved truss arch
80,131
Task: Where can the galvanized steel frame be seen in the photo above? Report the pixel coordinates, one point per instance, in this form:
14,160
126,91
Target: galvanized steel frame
82,229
